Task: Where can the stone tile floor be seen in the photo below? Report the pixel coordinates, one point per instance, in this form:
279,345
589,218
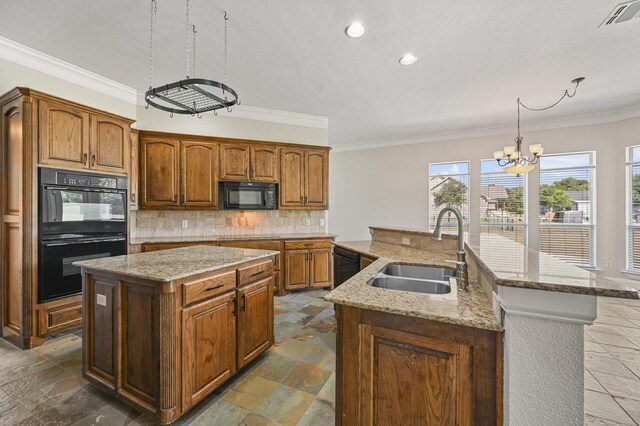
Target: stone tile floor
612,364
294,382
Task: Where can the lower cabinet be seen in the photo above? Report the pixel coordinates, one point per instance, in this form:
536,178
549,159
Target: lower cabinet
209,341
308,264
255,320
415,372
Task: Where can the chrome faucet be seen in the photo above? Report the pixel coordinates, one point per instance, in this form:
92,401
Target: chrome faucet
461,263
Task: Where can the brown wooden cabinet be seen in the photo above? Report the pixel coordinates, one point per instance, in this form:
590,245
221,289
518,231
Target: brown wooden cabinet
178,174
64,135
415,371
308,263
264,164
255,320
133,170
109,144
209,341
234,162
199,183
159,173
304,178
37,129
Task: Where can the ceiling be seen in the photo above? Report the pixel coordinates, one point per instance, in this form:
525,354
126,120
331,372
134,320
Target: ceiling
474,57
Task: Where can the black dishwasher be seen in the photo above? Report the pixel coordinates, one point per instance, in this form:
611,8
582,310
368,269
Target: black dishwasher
345,265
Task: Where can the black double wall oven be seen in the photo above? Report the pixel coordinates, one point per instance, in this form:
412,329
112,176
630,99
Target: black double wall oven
81,216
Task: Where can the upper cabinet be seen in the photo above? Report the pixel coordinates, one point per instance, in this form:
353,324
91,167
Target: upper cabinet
109,144
70,136
234,162
178,174
245,162
64,135
264,164
304,178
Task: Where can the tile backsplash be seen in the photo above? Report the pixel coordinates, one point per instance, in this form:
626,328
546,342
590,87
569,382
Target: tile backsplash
152,223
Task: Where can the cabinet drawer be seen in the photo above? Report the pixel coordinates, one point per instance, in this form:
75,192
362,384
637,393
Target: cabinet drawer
209,287
307,244
253,273
60,318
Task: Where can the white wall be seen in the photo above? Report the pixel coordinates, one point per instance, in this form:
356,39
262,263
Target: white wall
388,186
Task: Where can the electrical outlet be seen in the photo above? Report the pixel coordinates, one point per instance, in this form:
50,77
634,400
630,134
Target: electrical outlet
307,222
185,224
406,241
321,222
609,264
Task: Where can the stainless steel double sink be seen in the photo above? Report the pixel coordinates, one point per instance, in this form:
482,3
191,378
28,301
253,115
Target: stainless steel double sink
420,279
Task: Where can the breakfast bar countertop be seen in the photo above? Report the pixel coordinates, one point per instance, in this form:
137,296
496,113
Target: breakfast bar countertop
467,308
174,264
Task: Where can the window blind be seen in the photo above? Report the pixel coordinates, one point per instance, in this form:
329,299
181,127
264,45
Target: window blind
502,202
633,209
448,187
567,207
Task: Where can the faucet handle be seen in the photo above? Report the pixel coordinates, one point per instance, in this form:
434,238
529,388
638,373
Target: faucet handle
455,261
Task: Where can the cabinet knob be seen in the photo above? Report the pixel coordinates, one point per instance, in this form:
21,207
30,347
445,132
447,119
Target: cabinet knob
85,158
93,160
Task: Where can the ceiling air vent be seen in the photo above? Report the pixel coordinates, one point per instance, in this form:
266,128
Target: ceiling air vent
622,13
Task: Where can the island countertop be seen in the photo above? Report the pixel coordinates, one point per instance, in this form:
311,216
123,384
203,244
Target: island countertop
174,264
468,308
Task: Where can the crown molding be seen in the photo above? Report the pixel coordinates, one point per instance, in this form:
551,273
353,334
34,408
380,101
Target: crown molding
34,59
601,117
31,58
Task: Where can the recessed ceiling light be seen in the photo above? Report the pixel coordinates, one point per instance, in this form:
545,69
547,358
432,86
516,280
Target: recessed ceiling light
408,59
355,30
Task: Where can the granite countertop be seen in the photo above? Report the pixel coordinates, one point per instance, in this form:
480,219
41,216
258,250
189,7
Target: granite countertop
174,264
513,265
468,308
216,238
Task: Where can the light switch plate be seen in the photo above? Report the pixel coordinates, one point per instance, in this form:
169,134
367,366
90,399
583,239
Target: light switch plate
406,241
307,222
185,224
101,300
321,222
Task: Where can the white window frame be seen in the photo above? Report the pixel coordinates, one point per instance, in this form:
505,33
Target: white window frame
629,210
592,201
466,221
525,195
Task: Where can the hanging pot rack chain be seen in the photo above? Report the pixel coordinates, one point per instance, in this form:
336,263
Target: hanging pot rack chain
154,10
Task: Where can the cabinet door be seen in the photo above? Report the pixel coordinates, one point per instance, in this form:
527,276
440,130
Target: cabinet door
264,164
159,172
133,171
209,346
64,135
296,269
316,179
199,183
255,320
234,162
321,268
396,361
291,178
109,144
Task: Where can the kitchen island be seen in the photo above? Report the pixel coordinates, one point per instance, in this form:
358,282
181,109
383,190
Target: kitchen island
508,350
162,330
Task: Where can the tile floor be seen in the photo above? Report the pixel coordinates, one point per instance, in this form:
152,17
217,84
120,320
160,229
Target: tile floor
294,382
612,364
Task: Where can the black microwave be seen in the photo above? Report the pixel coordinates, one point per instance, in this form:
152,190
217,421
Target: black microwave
248,196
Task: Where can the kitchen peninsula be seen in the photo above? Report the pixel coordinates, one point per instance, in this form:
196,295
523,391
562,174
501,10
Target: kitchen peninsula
162,330
509,350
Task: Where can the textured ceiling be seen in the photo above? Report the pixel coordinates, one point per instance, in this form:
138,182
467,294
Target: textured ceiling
475,57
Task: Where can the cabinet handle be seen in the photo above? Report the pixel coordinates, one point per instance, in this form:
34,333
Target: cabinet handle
233,312
214,287
244,302
93,160
85,158
183,198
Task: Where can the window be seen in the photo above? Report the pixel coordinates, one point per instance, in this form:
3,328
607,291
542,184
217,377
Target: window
567,207
633,209
448,187
502,202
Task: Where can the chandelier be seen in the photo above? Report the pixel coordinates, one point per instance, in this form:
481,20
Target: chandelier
192,96
511,158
